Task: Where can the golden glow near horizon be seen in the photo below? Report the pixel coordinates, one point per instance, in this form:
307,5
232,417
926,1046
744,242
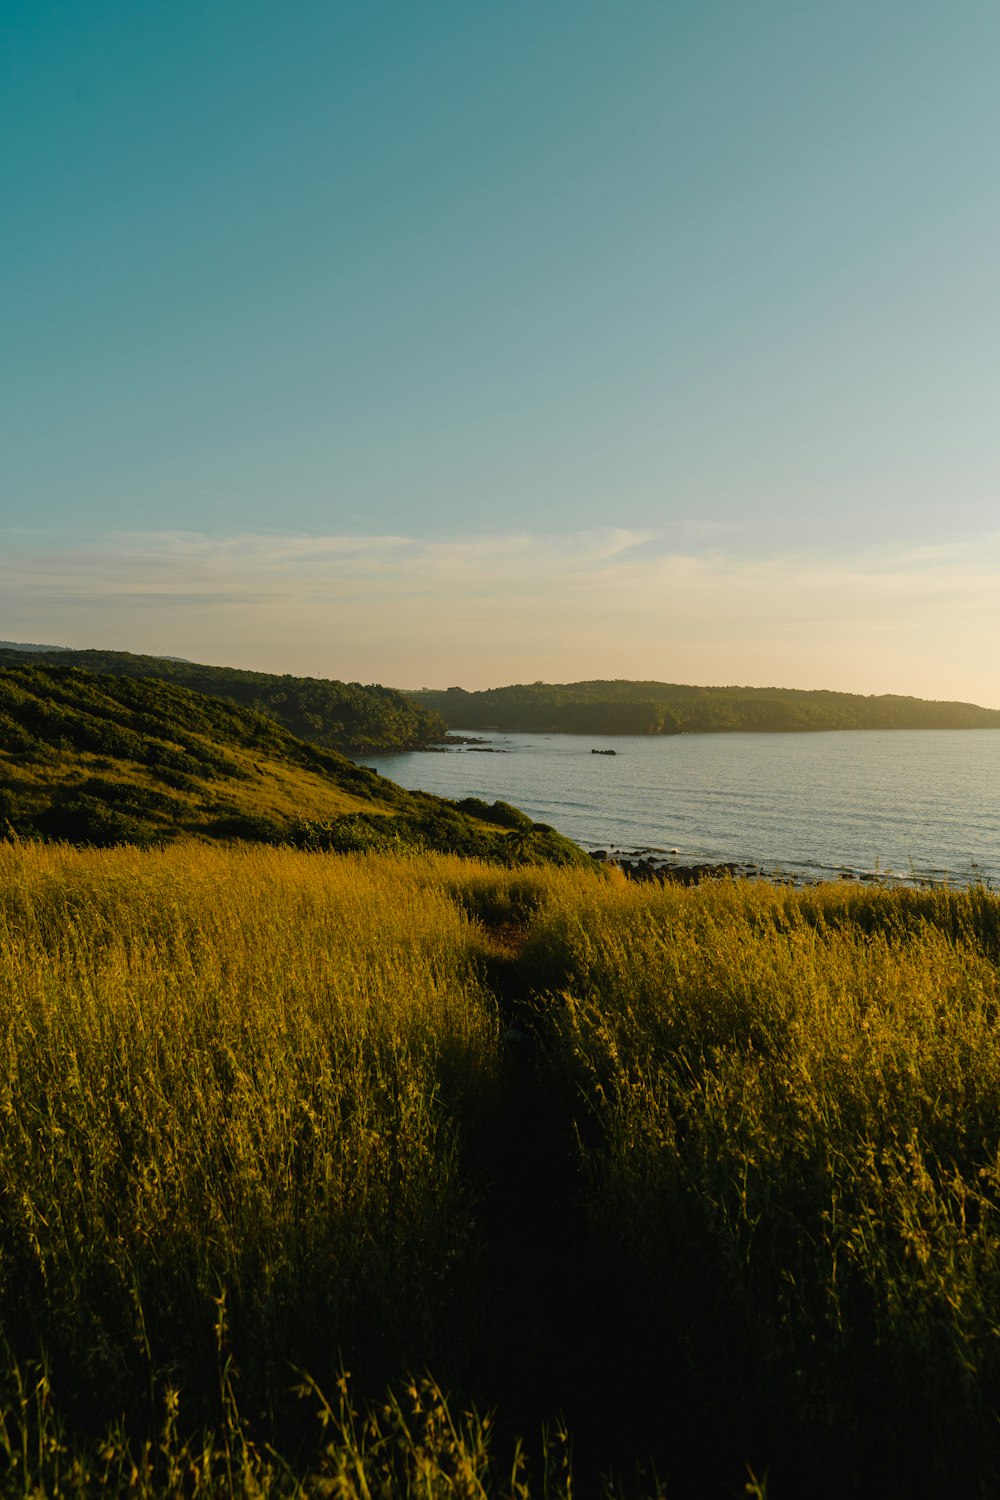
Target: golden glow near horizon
483,611
495,343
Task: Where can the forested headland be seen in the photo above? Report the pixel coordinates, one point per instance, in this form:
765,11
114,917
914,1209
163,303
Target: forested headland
341,715
623,707
98,759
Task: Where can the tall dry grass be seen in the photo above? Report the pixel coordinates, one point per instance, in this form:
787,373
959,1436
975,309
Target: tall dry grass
235,1074
788,1114
713,1172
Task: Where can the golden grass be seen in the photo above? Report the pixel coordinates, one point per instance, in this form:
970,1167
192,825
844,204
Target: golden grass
232,1070
261,786
245,1108
790,1128
287,791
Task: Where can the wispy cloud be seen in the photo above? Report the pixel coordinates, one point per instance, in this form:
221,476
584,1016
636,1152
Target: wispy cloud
486,609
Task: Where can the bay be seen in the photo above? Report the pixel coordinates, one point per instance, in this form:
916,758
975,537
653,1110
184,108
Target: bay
904,804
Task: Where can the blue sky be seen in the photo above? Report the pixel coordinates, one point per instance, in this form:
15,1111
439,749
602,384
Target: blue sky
478,343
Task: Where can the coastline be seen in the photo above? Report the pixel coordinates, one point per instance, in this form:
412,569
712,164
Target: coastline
651,866
909,810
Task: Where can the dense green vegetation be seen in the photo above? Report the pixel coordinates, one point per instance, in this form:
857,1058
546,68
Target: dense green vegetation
713,1173
99,759
340,715
671,708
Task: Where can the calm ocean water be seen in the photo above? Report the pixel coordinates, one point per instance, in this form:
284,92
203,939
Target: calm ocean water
911,803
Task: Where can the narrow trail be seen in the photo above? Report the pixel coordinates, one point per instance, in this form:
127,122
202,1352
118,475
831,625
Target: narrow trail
570,1334
532,1215
559,1332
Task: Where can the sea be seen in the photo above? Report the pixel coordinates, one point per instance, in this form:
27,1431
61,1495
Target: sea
909,806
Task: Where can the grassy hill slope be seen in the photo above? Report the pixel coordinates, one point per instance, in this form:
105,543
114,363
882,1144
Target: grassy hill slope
622,707
341,715
102,760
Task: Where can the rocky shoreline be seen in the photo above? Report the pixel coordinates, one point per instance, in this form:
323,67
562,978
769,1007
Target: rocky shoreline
468,742
654,867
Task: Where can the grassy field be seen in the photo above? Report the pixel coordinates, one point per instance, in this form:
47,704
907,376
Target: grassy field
308,1163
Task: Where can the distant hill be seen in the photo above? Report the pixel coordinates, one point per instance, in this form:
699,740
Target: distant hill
97,759
341,715
27,646
622,707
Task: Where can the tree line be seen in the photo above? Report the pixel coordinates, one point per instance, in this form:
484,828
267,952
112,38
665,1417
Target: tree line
623,707
340,715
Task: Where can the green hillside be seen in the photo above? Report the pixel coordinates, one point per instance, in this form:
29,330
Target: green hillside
341,715
622,707
102,760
